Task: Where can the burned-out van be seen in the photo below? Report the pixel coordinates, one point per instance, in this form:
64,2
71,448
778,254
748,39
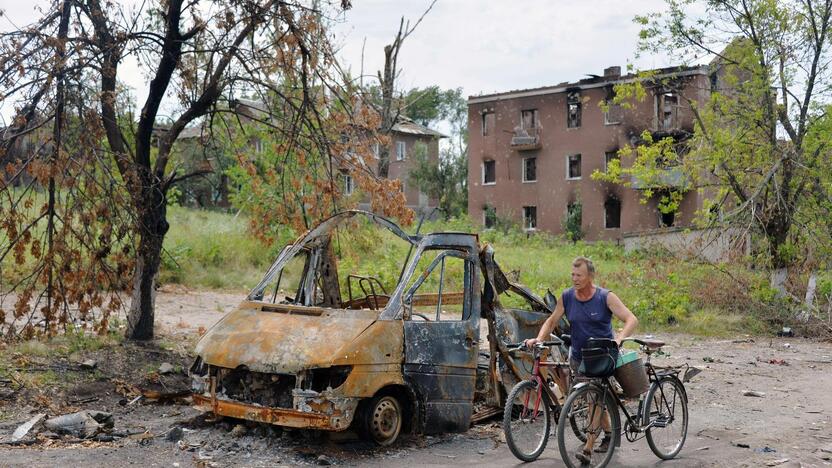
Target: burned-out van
385,358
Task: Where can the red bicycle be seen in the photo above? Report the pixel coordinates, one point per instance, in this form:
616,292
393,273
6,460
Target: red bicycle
527,416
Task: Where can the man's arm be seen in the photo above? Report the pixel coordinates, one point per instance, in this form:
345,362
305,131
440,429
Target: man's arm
624,314
548,326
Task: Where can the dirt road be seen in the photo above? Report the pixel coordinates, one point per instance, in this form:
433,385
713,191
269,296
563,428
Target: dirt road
790,425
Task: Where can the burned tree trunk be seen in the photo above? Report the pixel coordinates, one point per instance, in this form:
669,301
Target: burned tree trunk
152,227
387,81
388,113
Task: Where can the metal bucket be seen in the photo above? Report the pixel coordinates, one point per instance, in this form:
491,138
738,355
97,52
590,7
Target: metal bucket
633,378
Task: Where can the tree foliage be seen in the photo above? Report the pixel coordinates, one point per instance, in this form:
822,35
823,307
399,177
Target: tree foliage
445,180
198,57
760,146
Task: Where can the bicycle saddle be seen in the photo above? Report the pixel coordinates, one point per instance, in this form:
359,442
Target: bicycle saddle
650,343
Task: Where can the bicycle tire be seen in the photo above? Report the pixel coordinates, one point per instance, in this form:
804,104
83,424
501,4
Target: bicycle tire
585,393
679,397
514,440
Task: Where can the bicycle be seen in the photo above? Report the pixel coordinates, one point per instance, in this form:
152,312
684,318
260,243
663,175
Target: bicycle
527,416
594,404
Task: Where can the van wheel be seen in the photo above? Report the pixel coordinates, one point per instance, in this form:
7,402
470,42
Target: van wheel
383,419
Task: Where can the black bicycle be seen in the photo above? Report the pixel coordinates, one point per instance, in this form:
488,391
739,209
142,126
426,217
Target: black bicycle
593,406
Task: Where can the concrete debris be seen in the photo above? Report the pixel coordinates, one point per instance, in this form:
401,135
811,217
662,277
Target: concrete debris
24,428
166,368
753,393
89,364
777,462
238,431
83,424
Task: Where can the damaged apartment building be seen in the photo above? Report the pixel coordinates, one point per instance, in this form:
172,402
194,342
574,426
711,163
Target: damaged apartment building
532,153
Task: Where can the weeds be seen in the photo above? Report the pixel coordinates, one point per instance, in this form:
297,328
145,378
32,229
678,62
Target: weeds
211,249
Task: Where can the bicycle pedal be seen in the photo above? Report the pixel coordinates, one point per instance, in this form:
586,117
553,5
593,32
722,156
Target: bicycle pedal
661,421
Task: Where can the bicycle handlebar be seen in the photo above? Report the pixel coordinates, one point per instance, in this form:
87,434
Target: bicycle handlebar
539,344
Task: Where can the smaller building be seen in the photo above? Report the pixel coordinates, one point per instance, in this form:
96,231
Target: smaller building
405,139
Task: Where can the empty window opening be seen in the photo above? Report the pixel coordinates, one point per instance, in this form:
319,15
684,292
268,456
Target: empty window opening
528,119
612,213
489,172
610,156
401,150
529,169
573,166
613,112
573,109
667,108
666,219
489,214
487,123
530,217
438,293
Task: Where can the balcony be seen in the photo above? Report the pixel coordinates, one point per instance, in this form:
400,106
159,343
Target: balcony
525,139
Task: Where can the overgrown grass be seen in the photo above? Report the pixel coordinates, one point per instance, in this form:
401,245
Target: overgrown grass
215,250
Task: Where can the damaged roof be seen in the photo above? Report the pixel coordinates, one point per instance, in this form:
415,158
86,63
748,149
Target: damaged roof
594,81
405,125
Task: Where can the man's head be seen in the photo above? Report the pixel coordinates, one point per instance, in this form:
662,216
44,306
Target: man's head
583,272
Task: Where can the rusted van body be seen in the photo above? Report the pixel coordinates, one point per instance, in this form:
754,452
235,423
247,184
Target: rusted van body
381,363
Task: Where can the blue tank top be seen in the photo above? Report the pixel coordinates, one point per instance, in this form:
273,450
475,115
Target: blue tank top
588,319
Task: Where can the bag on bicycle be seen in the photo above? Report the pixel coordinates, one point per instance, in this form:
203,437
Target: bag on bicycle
599,357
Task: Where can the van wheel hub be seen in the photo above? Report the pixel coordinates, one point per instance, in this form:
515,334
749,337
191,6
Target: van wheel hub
386,420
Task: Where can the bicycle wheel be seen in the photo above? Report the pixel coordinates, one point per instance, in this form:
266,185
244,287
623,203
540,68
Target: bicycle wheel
527,431
592,439
666,408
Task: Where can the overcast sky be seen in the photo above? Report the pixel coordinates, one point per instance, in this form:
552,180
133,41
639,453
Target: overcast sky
482,46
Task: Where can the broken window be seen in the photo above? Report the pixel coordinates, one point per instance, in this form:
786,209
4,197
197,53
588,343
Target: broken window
613,112
573,166
287,287
573,109
530,217
401,149
612,213
528,119
438,293
610,156
667,105
529,169
487,123
666,219
489,172
489,214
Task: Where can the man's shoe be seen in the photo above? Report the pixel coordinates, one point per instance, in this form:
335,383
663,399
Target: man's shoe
605,445
584,457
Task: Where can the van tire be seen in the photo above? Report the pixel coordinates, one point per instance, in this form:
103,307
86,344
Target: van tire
382,419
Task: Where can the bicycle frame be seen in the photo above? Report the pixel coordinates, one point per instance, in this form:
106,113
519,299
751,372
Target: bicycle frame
638,423
537,378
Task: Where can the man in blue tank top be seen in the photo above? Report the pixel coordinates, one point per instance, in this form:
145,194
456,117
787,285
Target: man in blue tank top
589,309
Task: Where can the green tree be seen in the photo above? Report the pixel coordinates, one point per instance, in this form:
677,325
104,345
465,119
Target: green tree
446,180
760,144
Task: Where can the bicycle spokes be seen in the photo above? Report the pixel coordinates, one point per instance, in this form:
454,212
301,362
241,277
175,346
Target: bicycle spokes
585,431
